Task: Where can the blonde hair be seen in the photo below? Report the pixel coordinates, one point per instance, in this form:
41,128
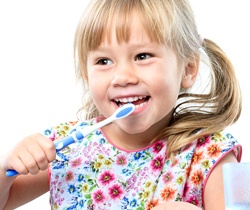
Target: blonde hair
167,22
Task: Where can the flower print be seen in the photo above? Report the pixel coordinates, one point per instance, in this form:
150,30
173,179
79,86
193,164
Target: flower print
137,155
115,192
72,123
62,133
133,203
218,137
82,124
81,203
193,200
125,203
167,177
168,193
158,146
76,162
66,127
151,204
107,162
97,165
213,150
69,176
146,194
80,177
51,137
187,171
98,196
201,142
121,160
206,164
148,184
100,157
180,180
58,165
84,187
154,187
186,189
197,177
157,163
47,132
106,178
71,189
102,141
197,157
125,170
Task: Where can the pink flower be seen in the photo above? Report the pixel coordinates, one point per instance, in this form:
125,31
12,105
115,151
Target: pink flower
201,142
158,146
121,160
115,192
106,178
167,177
157,163
69,176
194,200
76,162
98,196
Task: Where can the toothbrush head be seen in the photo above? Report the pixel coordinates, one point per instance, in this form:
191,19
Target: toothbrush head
124,110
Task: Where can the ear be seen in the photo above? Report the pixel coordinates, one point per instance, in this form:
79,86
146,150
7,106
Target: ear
190,72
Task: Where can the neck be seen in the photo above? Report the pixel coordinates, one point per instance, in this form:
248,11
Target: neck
135,141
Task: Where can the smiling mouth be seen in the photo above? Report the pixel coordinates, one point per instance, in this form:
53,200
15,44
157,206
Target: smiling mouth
138,101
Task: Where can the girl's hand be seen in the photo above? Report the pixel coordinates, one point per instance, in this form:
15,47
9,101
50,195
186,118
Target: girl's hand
32,154
176,206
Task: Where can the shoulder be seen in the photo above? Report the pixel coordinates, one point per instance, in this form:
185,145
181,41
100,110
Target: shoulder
210,149
205,154
214,146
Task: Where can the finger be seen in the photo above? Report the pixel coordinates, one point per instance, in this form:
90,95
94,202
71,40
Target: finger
39,156
17,165
48,147
29,162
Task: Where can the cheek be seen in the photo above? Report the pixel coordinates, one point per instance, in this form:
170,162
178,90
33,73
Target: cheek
97,86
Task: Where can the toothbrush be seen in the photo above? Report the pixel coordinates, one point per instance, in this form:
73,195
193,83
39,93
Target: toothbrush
77,136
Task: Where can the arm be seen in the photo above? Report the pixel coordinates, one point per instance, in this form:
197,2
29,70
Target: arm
24,189
30,158
214,188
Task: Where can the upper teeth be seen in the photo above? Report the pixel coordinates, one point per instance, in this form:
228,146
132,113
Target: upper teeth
129,99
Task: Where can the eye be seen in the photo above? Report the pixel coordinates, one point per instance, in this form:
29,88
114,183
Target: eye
142,56
104,61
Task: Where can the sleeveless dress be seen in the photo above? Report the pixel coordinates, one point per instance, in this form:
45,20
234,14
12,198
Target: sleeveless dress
95,174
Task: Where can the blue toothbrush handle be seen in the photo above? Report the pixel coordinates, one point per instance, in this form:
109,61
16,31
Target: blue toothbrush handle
11,172
59,145
74,137
64,143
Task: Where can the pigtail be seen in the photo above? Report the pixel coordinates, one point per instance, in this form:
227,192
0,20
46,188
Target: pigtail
198,115
225,92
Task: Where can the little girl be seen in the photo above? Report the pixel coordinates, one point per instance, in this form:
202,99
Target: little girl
169,152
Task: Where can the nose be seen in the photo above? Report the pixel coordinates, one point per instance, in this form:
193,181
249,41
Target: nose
125,75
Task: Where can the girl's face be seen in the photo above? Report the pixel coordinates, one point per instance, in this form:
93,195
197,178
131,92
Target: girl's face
139,71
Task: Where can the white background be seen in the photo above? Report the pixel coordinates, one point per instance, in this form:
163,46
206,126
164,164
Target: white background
37,81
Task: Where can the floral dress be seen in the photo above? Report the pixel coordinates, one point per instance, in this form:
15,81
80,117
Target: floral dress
95,174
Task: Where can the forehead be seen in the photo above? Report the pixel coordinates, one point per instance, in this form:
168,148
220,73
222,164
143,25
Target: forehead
121,32
120,26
